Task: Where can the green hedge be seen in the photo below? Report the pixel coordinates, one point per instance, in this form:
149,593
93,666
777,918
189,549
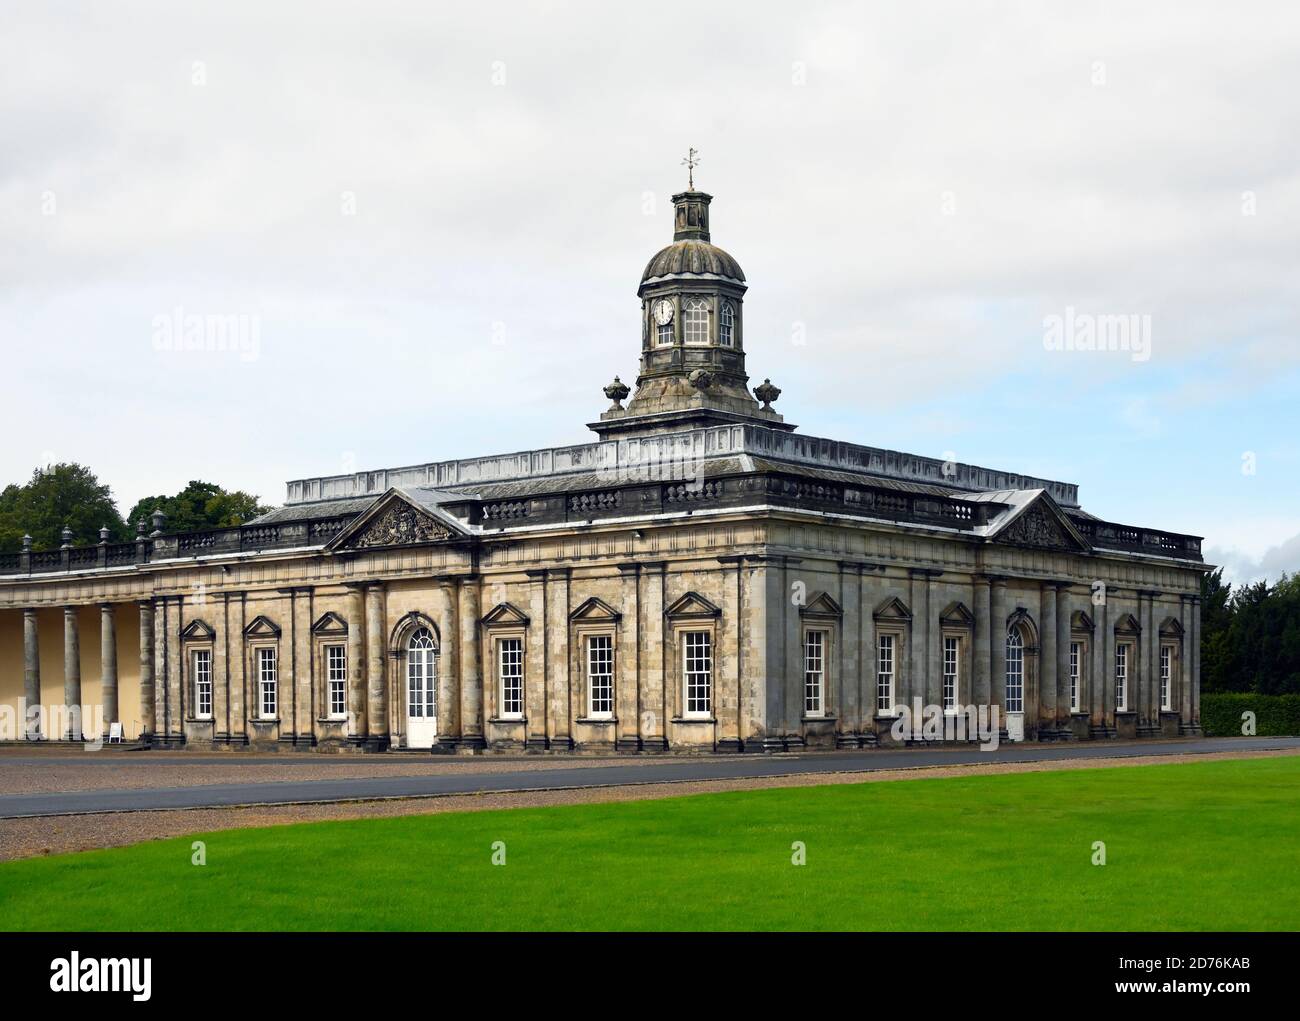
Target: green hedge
1275,715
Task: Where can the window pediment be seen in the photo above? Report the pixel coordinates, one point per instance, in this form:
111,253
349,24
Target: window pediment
692,606
595,609
261,627
893,609
821,605
957,614
505,615
330,625
198,630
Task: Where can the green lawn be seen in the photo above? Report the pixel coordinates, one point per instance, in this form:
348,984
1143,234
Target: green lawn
1203,845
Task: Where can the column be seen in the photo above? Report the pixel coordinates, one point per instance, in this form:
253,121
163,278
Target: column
448,708
1107,645
627,662
654,700
175,672
146,668
1196,663
357,664
753,679
867,658
31,675
1047,663
376,674
108,663
471,676
933,644
1149,678
1064,731
983,671
535,680
71,675
557,658
1097,672
911,680
998,646
849,652
792,663
1185,666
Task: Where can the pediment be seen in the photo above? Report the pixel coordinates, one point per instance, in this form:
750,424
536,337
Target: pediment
198,630
957,614
505,615
330,624
261,627
692,606
1042,525
893,609
395,519
1080,621
595,609
1171,626
1128,623
821,605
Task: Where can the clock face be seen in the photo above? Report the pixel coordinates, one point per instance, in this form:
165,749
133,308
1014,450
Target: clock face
663,311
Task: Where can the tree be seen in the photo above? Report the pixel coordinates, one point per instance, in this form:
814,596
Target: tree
198,507
62,494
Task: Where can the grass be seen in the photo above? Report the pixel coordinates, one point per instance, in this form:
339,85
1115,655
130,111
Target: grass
1202,845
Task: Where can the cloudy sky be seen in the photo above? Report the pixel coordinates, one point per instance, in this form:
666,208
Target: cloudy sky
433,222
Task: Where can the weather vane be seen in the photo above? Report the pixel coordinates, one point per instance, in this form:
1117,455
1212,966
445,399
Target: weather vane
691,161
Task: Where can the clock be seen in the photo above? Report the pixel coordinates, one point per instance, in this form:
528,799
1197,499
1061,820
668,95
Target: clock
663,311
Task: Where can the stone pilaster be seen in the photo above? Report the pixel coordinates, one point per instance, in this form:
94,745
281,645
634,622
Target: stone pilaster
376,670
357,687
71,674
1064,731
726,707
147,688
175,672
448,707
560,710
868,661
753,676
1195,652
1047,664
1148,688
656,659
792,658
108,664
535,679
31,675
998,646
1102,722
471,672
982,672
627,685
849,653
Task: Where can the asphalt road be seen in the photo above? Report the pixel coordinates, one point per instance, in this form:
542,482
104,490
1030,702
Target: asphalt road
639,770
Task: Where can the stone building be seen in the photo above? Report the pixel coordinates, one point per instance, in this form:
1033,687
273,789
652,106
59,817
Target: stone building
700,577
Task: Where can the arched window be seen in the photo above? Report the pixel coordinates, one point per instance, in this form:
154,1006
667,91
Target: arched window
421,675
726,324
1015,672
697,321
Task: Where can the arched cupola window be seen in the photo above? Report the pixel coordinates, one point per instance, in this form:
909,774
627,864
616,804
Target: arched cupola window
696,321
727,325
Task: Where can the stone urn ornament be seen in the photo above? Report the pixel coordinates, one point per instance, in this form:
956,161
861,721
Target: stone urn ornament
617,392
767,393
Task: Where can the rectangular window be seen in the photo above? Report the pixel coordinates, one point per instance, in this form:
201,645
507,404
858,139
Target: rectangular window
1076,662
336,680
1166,669
266,679
510,664
202,663
697,672
664,334
814,671
885,674
1121,678
600,676
949,673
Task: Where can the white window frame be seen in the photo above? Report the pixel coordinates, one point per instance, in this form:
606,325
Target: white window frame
268,681
201,672
336,681
510,676
887,644
425,657
1122,659
598,655
951,685
695,322
664,334
1166,678
816,643
694,678
727,325
1076,672
1015,679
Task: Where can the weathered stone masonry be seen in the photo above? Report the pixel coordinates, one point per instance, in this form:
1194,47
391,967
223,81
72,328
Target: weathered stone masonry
702,577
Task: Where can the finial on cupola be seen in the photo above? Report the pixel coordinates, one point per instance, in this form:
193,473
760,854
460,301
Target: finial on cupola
617,392
767,393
